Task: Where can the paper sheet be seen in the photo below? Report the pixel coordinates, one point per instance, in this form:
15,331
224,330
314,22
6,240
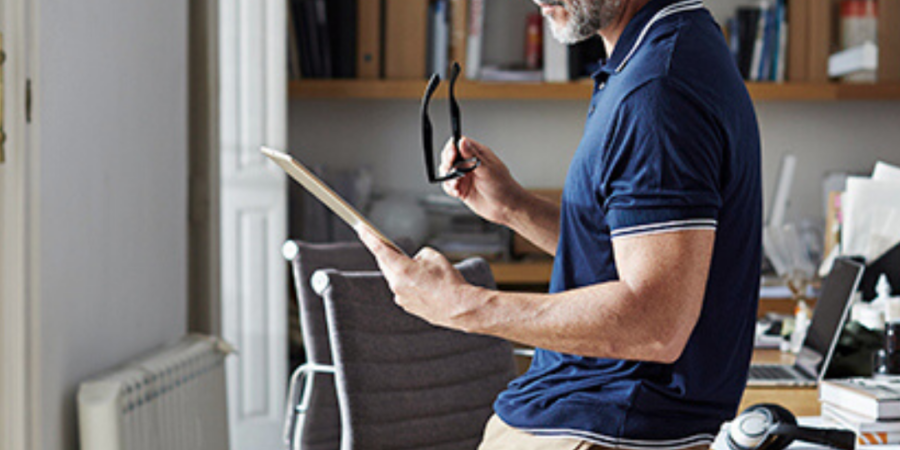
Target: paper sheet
870,213
886,172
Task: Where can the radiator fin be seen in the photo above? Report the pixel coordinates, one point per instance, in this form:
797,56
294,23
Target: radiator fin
171,399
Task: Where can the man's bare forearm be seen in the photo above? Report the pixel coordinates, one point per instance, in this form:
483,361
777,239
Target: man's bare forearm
537,219
607,321
647,314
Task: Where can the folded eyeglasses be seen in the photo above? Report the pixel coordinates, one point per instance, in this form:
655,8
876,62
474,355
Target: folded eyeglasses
460,166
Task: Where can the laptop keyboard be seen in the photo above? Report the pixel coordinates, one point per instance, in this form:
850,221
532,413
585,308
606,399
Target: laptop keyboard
771,372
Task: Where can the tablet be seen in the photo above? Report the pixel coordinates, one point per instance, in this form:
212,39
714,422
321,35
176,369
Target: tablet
324,193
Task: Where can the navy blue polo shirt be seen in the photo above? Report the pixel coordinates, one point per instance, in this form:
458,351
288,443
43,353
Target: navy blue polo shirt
670,143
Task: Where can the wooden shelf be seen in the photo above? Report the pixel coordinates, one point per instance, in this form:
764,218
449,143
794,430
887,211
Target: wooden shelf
472,90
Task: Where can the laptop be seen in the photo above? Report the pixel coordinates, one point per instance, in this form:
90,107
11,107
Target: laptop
828,320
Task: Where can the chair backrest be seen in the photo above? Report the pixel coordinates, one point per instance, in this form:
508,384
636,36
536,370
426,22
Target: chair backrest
306,258
401,382
321,426
322,423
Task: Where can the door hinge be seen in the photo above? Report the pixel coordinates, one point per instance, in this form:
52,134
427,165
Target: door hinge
2,104
28,100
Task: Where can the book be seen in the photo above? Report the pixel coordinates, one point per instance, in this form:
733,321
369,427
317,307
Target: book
439,37
732,35
323,34
868,430
368,38
459,18
774,40
780,58
798,40
821,38
474,39
748,25
757,65
430,43
311,48
874,398
294,68
303,32
889,41
405,39
342,35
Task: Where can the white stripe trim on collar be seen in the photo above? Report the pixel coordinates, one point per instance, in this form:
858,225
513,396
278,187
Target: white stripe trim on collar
686,5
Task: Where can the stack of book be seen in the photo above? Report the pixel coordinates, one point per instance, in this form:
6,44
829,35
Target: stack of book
322,38
411,39
758,40
868,406
373,39
792,40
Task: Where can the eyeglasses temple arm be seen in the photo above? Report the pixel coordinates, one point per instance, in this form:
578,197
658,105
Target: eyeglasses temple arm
427,132
455,113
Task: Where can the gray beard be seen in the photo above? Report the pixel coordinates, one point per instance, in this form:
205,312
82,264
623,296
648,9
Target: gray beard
586,18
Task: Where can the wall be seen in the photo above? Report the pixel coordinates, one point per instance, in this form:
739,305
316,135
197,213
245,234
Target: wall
112,117
537,139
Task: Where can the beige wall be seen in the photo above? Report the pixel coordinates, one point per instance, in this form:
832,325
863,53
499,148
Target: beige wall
537,139
112,118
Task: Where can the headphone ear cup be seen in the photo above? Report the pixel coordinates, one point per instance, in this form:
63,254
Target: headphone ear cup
751,429
784,424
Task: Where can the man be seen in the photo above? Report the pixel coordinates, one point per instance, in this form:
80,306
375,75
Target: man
645,337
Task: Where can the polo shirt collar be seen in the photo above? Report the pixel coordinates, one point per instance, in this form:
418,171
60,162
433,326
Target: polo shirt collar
637,27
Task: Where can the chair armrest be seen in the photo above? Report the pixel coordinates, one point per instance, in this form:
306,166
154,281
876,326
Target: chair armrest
299,398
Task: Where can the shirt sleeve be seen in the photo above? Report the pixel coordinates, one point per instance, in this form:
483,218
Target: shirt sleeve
662,163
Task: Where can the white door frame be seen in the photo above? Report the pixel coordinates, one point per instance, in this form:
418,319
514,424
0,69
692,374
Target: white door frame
19,236
253,199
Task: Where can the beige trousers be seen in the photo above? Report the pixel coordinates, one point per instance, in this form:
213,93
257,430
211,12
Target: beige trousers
500,436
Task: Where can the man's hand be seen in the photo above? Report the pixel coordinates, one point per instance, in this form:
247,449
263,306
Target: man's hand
490,190
426,285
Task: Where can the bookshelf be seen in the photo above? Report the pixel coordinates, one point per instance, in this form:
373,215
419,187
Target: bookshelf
580,90
532,272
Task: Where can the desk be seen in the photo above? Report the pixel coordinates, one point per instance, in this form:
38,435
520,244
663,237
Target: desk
802,401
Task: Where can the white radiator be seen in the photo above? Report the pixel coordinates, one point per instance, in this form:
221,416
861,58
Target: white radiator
170,400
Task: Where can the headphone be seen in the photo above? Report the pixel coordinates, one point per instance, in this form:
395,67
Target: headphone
767,426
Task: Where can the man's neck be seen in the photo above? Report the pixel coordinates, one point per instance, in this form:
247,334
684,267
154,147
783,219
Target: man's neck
613,31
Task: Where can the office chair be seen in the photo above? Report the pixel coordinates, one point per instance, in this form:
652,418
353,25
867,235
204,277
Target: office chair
402,382
312,421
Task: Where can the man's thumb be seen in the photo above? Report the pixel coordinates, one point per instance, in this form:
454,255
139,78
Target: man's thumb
469,148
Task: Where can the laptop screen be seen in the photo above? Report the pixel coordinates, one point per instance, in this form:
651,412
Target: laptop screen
829,315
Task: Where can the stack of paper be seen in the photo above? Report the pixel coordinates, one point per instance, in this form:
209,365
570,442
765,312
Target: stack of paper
871,213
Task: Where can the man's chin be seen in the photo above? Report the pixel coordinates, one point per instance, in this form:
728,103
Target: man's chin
565,36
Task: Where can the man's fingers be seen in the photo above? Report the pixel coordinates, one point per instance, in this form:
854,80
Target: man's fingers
470,148
451,187
448,155
388,258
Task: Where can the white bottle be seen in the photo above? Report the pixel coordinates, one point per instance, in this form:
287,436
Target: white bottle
883,297
801,325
